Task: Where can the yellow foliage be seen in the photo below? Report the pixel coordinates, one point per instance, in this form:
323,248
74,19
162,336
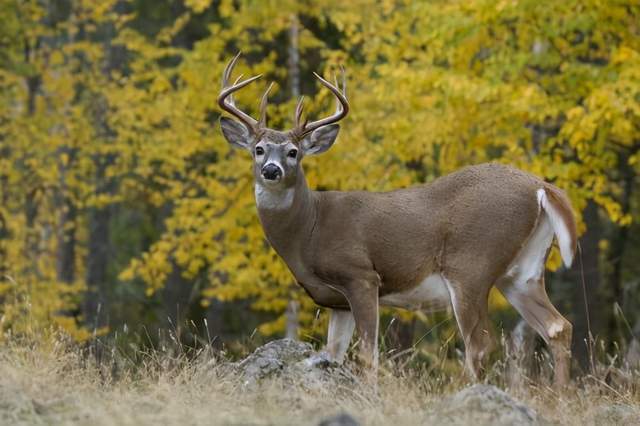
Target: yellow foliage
433,86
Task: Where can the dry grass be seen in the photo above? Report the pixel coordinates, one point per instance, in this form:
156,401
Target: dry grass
54,382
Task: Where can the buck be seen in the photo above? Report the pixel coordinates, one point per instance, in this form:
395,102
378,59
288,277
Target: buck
431,247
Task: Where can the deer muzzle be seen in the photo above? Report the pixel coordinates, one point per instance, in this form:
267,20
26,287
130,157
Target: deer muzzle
272,172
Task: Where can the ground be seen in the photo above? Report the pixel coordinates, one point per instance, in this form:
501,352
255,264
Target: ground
58,382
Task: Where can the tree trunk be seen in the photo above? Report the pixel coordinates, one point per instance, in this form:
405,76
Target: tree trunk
615,256
294,58
586,314
94,306
30,203
4,226
67,215
177,297
31,234
66,241
4,234
292,320
294,86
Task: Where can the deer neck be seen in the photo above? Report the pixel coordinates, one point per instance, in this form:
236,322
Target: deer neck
287,217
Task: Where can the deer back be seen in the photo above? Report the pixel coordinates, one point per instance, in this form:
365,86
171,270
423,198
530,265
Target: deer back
476,219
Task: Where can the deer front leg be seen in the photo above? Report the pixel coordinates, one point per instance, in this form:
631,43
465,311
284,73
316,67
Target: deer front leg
341,325
363,299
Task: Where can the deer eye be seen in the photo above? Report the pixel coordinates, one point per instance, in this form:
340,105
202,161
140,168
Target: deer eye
259,150
293,153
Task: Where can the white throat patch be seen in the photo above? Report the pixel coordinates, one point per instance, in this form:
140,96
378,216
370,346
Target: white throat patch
273,198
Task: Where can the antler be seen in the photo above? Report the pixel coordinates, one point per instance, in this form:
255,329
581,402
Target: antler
303,128
227,103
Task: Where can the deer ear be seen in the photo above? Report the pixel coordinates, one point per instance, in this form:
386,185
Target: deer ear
320,139
235,133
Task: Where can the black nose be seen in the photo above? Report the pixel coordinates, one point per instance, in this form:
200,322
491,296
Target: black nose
271,172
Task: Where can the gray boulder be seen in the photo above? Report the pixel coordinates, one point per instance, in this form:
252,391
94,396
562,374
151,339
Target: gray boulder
342,419
480,405
291,361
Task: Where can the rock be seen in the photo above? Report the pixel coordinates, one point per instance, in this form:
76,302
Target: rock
291,361
273,358
616,414
484,405
343,419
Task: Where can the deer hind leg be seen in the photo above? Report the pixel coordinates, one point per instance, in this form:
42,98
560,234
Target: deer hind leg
472,316
530,299
341,326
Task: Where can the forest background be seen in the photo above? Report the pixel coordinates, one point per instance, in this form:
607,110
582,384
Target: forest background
124,213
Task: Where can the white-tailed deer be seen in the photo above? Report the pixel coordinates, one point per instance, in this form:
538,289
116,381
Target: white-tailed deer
427,247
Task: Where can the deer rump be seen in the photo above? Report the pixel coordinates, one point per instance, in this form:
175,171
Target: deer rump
473,227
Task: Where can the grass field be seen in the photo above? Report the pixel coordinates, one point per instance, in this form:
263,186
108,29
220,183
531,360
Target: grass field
55,382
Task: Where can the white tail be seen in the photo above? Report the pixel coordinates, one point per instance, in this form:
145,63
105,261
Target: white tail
562,229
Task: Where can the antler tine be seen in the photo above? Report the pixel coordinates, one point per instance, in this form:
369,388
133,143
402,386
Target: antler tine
341,111
336,84
263,106
344,81
342,88
227,74
228,69
299,109
225,98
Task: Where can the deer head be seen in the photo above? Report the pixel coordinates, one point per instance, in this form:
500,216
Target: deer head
277,154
